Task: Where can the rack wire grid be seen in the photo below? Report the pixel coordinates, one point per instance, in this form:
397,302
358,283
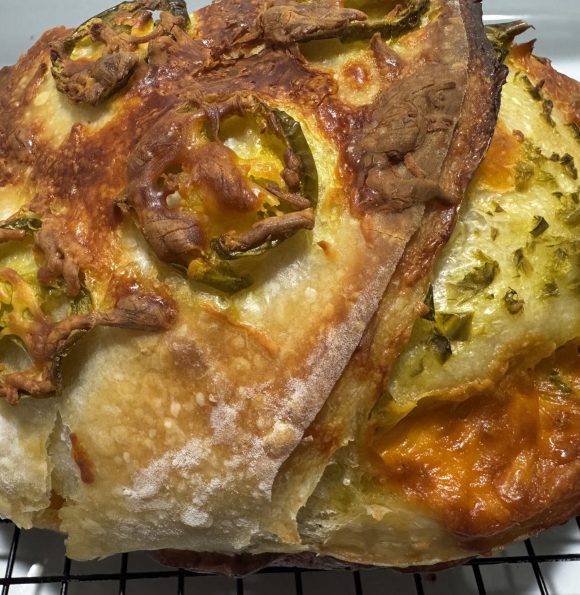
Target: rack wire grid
33,563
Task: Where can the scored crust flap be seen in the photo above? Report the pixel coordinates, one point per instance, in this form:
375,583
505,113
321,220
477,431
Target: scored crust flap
517,430
346,411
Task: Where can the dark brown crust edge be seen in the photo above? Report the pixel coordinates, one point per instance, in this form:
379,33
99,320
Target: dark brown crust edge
245,564
486,79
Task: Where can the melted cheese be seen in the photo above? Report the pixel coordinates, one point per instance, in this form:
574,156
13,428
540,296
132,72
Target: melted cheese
12,198
261,153
352,65
496,459
51,106
512,266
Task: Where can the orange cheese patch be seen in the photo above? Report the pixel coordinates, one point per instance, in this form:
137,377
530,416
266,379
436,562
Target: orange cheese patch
488,466
498,169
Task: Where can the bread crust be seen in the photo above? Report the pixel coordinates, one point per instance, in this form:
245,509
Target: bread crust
500,502
187,393
346,411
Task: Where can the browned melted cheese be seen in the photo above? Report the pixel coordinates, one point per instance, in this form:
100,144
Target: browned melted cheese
497,463
144,97
79,180
497,170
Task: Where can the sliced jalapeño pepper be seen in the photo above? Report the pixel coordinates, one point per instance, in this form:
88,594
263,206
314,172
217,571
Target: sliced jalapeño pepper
101,54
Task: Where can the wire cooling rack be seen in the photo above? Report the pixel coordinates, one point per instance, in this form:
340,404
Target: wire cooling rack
33,563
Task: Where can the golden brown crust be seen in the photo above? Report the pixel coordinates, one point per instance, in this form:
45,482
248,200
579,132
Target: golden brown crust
68,245
562,90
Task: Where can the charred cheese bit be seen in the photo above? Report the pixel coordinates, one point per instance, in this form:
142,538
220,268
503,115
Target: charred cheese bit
294,21
490,464
512,262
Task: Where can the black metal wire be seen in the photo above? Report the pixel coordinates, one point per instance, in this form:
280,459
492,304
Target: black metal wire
123,579
537,572
181,582
11,560
418,584
65,577
298,582
478,580
124,575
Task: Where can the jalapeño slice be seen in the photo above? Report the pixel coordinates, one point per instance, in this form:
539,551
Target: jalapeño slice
99,57
216,182
389,19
